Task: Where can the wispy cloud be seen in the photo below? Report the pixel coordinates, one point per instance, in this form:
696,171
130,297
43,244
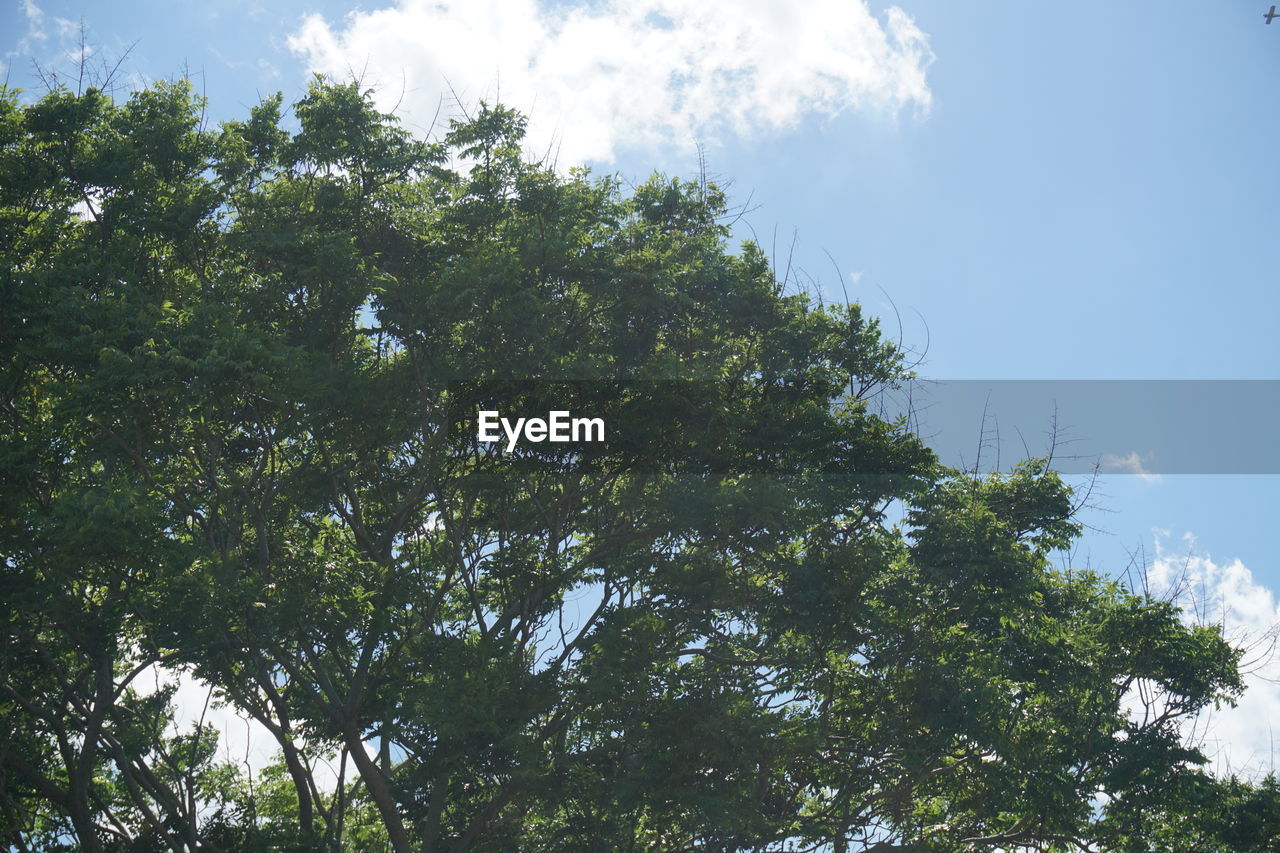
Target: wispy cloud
38,26
51,43
1128,463
79,54
37,29
602,76
261,66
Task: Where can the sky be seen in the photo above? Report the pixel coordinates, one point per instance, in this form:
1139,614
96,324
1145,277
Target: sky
1065,191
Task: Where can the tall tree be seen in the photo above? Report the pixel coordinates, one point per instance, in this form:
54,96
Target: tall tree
241,377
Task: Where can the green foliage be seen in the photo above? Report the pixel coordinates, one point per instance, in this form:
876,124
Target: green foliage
241,371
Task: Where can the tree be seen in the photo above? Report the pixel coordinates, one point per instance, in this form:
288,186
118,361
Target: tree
242,370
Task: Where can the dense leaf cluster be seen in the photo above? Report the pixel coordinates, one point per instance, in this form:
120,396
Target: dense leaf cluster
239,373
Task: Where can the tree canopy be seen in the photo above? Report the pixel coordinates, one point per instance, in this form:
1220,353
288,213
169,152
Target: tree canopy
240,377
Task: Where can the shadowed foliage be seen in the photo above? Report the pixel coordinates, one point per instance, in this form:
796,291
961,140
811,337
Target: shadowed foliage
239,381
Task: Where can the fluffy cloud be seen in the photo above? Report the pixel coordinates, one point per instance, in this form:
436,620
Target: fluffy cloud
1130,463
242,740
1240,740
601,76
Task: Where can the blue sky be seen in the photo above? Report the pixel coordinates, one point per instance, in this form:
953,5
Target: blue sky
1081,190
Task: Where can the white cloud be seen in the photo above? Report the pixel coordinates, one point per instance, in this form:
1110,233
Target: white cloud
35,33
79,54
1242,739
1130,463
242,740
51,43
602,76
67,27
35,19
